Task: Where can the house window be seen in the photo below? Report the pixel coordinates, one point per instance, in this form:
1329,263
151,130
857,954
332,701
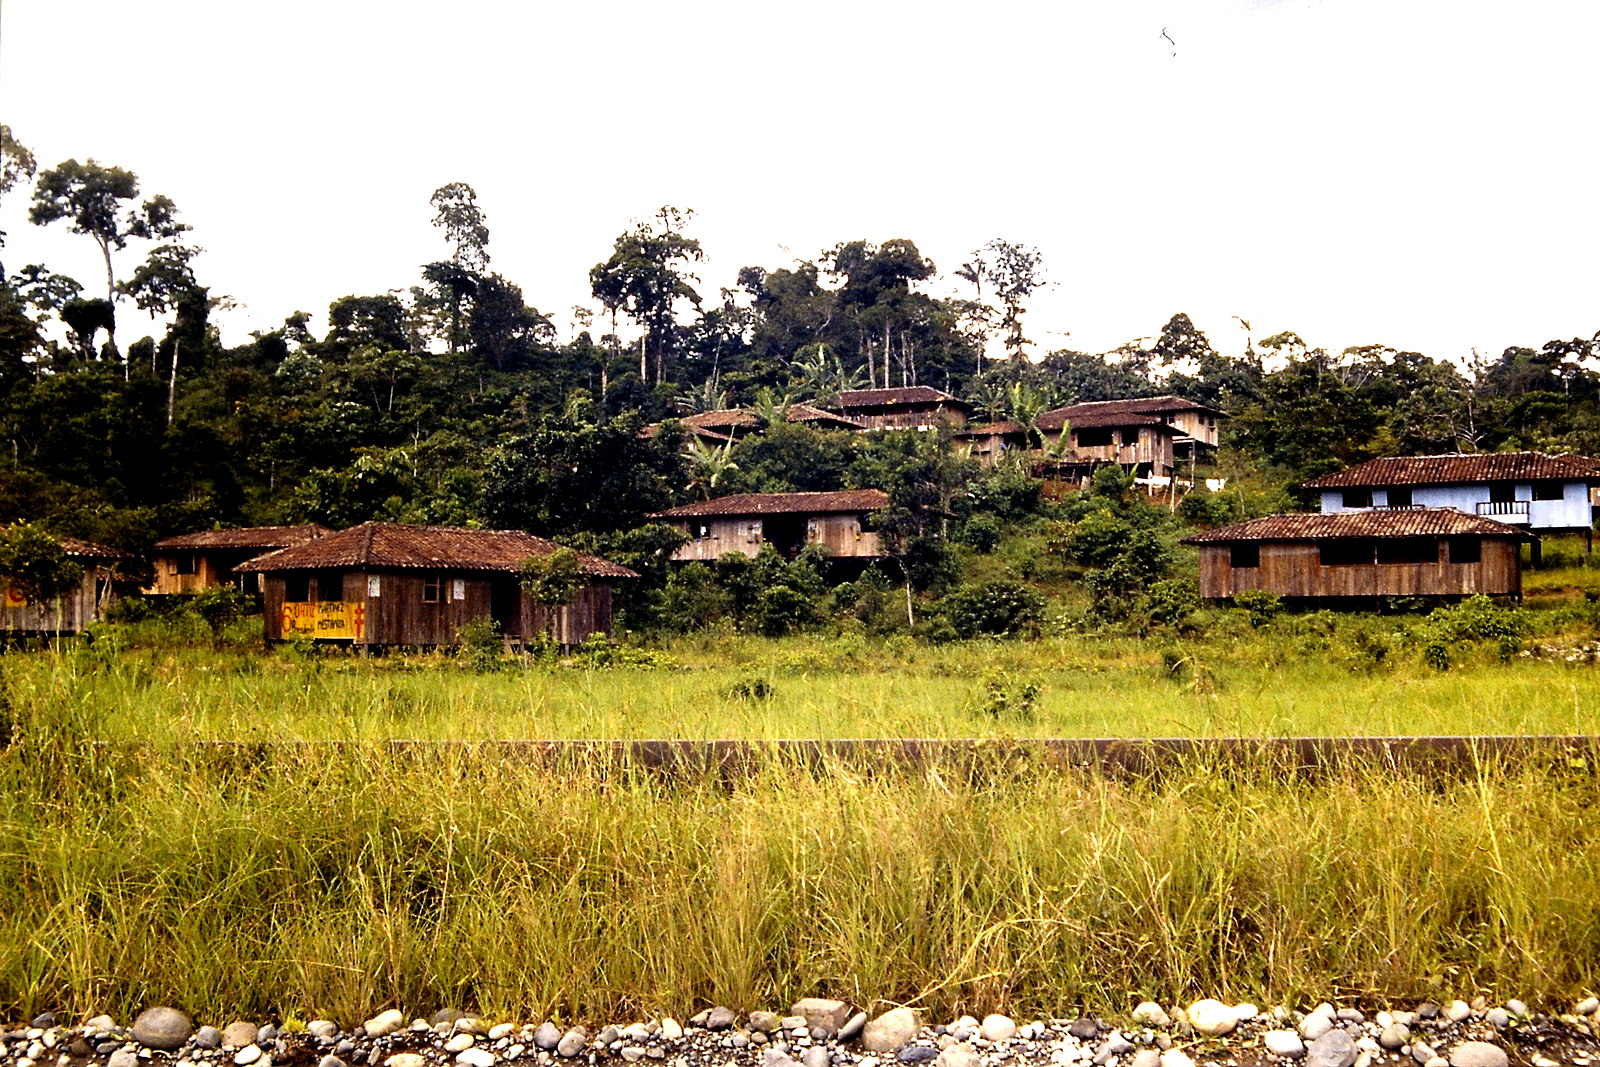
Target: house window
458,589
1408,550
297,588
185,563
1346,553
1096,438
1502,493
1400,496
1244,554
1358,498
432,589
374,585
1549,491
330,586
1130,437
1466,549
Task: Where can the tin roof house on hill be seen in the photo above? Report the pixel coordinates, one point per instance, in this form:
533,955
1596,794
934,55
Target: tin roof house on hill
1541,492
387,584
191,562
743,522
1355,559
71,612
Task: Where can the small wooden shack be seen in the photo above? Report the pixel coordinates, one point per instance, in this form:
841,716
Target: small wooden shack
1355,559
192,562
743,522
912,407
72,612
385,584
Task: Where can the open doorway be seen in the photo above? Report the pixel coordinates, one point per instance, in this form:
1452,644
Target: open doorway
785,533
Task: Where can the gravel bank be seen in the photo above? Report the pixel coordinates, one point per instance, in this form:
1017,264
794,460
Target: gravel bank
825,1033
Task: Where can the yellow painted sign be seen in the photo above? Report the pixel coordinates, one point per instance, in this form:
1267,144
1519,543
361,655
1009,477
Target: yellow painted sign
14,597
325,618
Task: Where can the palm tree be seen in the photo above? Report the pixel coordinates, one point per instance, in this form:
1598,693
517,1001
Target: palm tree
709,463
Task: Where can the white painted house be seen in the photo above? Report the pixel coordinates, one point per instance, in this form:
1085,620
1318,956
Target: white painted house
1539,492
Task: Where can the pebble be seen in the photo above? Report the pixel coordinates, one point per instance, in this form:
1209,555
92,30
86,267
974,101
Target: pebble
1422,1052
123,1058
460,1043
162,1028
1516,1007
721,1018
1285,1043
765,1021
815,1056
1084,1029
997,1028
326,1029
405,1059
247,1055
1315,1025
1146,1057
572,1042
1458,1011
331,1061
239,1034
1212,1018
671,1029
917,1054
1149,1013
959,1054
891,1031
1332,1049
501,1032
382,1024
208,1037
547,1037
1498,1018
475,1057
44,1020
817,1011
1587,1006
1478,1054
1245,1012
1175,1058
1394,1037
852,1029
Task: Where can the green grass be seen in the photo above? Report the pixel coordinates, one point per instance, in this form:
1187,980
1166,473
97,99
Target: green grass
1251,686
299,880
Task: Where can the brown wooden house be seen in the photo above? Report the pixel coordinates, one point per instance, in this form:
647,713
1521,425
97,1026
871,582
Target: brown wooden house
384,584
73,611
1139,442
1196,423
192,562
743,522
912,407
1355,559
718,427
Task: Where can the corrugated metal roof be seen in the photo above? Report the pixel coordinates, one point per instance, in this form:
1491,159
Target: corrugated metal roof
1461,468
391,545
262,537
847,500
910,394
1407,522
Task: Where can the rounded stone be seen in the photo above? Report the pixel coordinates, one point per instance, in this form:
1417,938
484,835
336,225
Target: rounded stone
1176,1058
1394,1037
671,1030
460,1043
917,1054
326,1029
853,1027
247,1055
997,1028
208,1037
959,1054
1478,1054
476,1057
1332,1049
891,1031
1212,1018
405,1059
572,1042
1458,1011
547,1037
1149,1013
1315,1025
1284,1043
239,1033
1587,1006
162,1028
385,1023
815,1056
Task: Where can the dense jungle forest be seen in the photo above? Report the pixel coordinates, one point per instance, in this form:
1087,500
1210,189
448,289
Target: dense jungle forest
452,399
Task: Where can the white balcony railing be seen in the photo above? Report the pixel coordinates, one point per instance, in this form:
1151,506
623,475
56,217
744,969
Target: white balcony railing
1504,510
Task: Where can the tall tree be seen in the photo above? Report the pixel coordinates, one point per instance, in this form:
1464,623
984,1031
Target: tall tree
16,166
91,197
456,212
646,277
1015,272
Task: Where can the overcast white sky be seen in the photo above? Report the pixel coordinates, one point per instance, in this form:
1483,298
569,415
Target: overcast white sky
1415,174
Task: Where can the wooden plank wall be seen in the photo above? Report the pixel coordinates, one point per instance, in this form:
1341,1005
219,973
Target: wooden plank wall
1295,570
67,614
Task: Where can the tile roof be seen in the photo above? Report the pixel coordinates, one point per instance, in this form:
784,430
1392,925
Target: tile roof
847,500
745,418
262,537
910,394
89,549
1460,468
391,545
1145,405
1404,522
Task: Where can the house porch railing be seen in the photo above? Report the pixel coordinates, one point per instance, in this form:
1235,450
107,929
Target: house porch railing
1506,510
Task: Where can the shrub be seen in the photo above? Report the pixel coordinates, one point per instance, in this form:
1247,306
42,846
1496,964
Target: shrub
981,532
999,607
1261,606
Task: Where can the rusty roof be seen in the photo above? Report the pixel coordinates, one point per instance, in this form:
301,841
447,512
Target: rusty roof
909,394
846,500
262,537
89,549
1103,413
1145,405
392,545
1461,468
1402,522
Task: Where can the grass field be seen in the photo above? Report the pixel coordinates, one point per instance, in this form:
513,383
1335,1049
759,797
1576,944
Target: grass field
302,880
